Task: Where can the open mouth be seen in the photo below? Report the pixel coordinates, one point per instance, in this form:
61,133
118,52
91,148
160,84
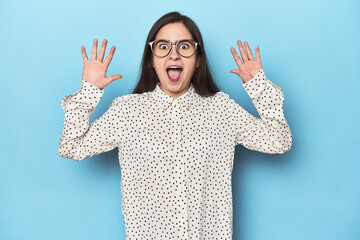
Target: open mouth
174,73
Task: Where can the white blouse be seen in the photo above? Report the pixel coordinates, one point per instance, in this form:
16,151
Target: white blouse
176,155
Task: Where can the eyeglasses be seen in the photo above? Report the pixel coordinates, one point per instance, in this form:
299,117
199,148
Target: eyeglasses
162,47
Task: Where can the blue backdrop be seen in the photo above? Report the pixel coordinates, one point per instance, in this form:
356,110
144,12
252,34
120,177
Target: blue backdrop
308,48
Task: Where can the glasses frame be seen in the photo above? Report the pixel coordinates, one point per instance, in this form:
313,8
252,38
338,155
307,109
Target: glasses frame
176,46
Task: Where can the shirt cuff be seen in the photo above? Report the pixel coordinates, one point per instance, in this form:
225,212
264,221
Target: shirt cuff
256,85
90,87
87,97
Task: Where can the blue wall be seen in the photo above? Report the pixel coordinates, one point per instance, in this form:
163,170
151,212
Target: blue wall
308,48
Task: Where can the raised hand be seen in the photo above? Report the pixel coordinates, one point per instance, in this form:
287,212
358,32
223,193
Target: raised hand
94,70
248,67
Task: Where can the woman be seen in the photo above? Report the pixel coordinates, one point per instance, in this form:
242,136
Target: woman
176,133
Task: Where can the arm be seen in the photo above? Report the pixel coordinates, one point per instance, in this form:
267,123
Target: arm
270,133
79,139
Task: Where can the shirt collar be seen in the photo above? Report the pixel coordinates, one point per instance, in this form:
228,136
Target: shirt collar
185,100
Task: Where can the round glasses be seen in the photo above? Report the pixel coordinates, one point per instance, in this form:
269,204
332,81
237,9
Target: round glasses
162,47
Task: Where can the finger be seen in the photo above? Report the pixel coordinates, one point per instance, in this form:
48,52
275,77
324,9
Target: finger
236,71
109,56
94,50
102,51
84,56
257,54
248,50
113,78
236,57
242,52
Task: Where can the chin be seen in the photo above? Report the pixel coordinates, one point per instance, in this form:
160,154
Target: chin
175,87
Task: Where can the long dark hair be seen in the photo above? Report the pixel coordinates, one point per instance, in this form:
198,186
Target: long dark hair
202,79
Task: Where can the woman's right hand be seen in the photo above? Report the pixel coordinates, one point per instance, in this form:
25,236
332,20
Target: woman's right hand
94,70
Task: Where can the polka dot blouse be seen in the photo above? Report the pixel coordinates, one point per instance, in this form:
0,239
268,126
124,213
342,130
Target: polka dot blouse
176,155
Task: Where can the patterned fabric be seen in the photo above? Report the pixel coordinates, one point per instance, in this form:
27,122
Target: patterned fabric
176,155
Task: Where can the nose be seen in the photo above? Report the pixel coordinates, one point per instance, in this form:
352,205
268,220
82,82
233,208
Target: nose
173,53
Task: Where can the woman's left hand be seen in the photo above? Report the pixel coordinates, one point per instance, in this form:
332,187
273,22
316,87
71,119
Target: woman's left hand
249,66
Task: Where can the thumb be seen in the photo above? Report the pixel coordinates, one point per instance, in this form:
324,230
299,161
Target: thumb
113,78
236,71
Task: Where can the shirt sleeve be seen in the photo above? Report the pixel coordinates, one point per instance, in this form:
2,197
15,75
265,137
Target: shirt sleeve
270,133
79,139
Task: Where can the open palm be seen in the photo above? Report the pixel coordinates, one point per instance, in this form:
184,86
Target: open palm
94,70
248,66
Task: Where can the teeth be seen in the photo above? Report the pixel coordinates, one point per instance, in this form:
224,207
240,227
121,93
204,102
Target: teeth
174,68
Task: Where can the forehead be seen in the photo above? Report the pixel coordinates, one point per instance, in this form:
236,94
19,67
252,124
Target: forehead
173,32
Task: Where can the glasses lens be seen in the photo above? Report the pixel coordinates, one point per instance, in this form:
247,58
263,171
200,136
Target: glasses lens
161,48
186,48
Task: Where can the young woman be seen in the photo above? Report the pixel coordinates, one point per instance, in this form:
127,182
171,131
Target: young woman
176,133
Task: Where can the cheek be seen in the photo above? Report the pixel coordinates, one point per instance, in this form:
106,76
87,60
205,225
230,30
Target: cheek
192,64
191,67
159,66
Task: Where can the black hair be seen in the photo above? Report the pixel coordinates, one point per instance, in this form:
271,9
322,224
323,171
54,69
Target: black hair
202,79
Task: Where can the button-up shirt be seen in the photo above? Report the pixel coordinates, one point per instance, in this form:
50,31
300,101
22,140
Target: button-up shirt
176,154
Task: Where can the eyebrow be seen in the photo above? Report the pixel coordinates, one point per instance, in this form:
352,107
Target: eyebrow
175,40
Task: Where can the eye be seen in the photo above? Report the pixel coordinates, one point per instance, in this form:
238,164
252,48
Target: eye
162,46
186,46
